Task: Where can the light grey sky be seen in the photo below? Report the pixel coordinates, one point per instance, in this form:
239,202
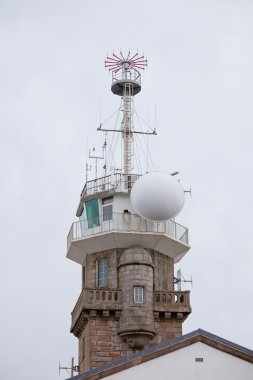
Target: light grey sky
51,81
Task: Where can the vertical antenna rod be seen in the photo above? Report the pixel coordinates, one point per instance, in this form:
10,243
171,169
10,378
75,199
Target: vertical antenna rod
126,82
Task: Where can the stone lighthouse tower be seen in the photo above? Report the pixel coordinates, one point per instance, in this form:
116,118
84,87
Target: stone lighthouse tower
127,242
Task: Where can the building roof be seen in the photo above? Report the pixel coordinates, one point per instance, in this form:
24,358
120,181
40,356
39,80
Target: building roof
165,348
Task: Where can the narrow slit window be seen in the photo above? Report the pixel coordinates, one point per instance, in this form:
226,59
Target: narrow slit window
138,294
102,272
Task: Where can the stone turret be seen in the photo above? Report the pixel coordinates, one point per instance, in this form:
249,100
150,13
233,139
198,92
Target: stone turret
136,324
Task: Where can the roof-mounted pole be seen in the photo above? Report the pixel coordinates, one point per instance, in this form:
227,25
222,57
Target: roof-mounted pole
126,82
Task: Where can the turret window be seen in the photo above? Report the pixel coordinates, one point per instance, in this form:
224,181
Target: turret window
102,272
138,294
107,208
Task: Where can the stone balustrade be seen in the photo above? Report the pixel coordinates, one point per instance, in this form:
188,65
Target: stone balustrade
172,301
110,299
97,299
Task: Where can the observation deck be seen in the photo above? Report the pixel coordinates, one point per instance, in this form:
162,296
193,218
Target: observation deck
126,230
122,77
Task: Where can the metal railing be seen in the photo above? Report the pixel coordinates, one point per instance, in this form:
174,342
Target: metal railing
116,181
130,74
126,222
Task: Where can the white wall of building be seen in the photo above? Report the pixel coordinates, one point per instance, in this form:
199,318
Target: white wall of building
122,202
181,365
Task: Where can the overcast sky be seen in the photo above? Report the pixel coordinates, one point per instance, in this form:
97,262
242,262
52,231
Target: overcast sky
52,79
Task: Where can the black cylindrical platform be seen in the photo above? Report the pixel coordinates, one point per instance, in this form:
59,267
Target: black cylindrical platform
118,86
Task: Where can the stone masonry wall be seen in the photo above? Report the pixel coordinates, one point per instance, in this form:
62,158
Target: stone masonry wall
163,272
99,335
99,343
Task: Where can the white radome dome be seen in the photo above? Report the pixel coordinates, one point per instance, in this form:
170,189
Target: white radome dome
157,196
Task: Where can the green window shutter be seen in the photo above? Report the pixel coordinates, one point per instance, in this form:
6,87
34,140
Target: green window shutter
92,212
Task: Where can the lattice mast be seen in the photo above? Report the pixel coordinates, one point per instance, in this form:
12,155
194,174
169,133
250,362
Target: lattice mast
126,82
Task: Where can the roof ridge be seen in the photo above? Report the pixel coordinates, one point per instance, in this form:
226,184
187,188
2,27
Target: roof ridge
164,345
225,341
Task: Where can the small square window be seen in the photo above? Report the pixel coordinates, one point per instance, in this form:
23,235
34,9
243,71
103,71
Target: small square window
138,294
102,272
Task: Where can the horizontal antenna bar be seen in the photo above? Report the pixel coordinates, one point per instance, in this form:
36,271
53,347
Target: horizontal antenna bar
120,130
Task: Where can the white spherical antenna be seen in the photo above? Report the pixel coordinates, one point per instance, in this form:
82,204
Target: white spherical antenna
157,196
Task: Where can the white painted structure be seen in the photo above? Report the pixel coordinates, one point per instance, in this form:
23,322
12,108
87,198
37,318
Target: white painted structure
198,355
108,217
115,224
182,365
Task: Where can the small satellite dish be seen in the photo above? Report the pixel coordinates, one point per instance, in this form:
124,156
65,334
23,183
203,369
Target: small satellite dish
157,196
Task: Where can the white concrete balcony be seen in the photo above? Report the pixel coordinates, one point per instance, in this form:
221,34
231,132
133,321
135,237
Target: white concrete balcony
126,230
